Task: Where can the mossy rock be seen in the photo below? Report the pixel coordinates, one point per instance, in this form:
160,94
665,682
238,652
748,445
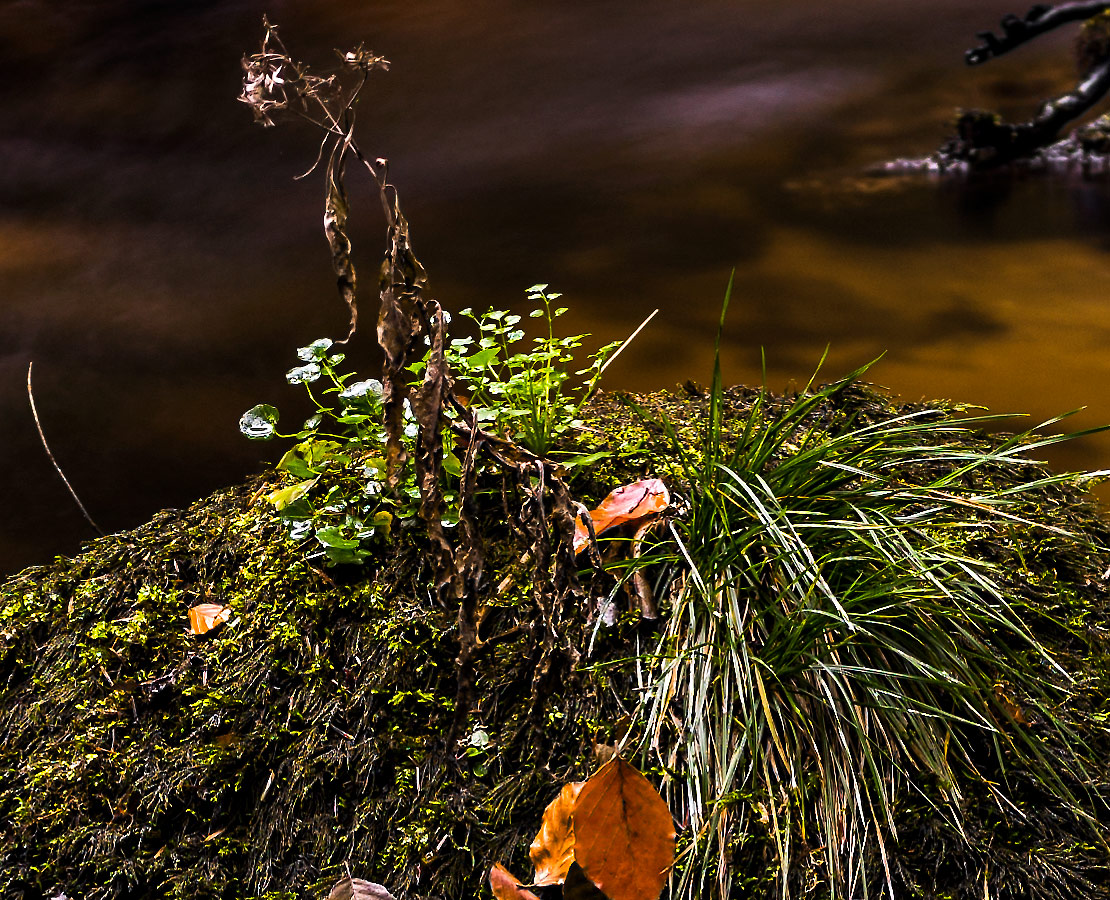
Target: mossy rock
309,734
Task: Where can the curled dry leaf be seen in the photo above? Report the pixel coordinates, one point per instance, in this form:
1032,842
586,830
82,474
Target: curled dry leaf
625,504
206,616
506,886
639,588
1007,702
552,851
335,229
606,750
624,834
349,888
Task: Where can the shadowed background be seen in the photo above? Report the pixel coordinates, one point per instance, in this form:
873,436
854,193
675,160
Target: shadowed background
160,265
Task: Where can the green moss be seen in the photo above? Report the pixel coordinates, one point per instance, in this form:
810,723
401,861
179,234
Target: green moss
308,734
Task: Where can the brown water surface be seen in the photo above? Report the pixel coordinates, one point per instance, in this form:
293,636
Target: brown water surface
159,264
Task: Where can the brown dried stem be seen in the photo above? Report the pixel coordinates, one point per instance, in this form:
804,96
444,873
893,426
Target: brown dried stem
50,455
273,84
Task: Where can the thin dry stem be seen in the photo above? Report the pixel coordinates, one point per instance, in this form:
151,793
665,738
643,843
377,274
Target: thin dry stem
50,455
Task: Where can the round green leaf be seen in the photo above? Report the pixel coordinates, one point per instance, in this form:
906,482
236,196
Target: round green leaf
315,351
362,393
303,374
258,422
331,536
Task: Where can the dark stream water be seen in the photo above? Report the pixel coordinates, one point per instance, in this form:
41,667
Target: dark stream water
159,264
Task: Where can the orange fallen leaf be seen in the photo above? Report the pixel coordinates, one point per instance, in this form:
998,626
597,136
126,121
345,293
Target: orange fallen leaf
506,886
625,504
205,616
1012,708
552,851
624,833
579,887
608,838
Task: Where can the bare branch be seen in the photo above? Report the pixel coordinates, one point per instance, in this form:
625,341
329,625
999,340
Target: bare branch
983,140
1040,19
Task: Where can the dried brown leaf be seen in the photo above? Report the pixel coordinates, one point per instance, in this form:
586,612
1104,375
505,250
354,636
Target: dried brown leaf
349,888
427,405
624,833
335,228
1012,707
506,886
402,281
638,587
552,851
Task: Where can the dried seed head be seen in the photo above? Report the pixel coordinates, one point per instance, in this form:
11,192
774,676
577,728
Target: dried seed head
263,86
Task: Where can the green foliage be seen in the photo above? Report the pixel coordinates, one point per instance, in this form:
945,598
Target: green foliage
526,394
477,746
338,499
835,643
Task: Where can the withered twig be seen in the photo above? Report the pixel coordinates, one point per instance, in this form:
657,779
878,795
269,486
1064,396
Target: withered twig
57,468
628,340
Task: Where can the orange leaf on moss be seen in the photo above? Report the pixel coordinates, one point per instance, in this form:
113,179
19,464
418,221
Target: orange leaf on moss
506,886
624,833
625,504
206,616
552,851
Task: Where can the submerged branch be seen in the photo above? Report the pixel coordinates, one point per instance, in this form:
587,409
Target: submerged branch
984,141
1040,19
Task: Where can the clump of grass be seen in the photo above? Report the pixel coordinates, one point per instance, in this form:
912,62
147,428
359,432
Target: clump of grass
832,643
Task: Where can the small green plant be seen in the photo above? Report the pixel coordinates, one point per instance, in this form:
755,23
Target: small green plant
526,394
477,751
339,496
